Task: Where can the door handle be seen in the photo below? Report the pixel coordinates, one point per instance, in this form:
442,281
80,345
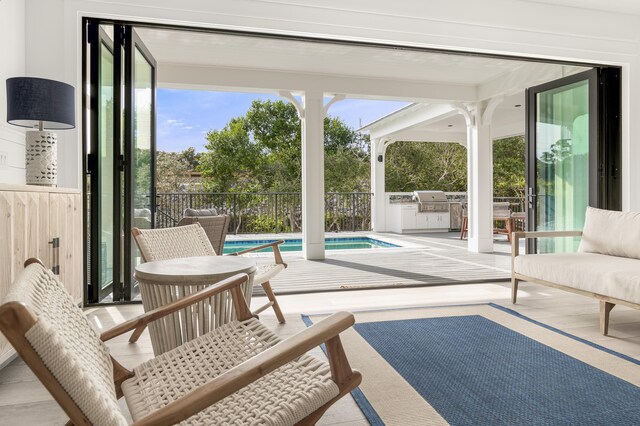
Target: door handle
531,197
55,258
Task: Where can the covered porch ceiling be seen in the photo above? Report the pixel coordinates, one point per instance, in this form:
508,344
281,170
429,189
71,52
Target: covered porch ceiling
225,62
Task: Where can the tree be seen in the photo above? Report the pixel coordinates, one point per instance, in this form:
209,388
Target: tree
262,151
174,170
509,167
426,165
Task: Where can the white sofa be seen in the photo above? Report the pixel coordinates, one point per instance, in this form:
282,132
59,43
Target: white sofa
606,266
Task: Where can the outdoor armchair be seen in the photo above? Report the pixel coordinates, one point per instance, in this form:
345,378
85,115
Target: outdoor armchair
240,373
192,240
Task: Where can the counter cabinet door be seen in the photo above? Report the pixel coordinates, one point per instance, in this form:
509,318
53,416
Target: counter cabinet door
423,221
409,217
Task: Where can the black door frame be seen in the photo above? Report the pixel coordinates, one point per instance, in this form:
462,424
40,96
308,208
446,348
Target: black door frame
133,42
604,140
123,46
96,38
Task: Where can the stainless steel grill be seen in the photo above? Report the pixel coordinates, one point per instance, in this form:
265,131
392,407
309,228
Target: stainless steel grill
431,201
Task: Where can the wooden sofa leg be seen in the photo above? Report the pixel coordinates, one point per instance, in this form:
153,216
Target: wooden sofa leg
605,309
272,298
514,290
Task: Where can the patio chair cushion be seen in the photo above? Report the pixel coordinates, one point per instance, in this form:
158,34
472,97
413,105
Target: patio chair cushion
611,232
611,276
200,212
266,272
282,397
68,345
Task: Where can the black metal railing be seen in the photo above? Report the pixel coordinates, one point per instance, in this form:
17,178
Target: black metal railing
267,212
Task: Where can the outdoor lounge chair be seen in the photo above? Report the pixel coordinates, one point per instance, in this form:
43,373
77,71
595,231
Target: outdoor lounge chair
214,225
240,373
187,241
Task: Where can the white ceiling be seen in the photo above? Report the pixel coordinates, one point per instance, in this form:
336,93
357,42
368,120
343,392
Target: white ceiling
208,49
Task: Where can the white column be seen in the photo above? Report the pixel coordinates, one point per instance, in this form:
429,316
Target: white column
313,176
378,199
479,183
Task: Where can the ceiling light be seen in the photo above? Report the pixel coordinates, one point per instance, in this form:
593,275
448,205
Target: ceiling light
517,105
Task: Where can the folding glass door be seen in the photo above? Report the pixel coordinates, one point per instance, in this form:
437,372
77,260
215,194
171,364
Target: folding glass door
573,138
120,83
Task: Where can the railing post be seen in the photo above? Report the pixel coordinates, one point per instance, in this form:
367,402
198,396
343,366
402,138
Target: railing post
235,218
276,212
353,211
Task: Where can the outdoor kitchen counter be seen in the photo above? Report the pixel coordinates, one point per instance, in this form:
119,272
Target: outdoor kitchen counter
405,217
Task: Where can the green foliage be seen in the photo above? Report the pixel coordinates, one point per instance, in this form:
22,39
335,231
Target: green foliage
426,165
262,152
509,167
443,166
173,170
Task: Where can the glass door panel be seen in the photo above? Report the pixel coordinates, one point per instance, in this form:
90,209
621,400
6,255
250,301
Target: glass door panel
562,163
120,157
141,140
573,153
103,174
106,168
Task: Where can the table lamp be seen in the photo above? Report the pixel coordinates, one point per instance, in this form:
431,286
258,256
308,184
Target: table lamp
45,104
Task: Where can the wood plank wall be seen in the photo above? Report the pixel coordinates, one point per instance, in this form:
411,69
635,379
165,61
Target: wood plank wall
30,217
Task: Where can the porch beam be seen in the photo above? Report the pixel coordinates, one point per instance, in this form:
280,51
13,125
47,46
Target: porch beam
409,119
198,77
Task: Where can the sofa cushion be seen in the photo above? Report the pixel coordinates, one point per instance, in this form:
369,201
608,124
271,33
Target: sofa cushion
612,276
611,232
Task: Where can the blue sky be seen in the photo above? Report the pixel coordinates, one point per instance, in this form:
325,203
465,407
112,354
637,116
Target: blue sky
185,116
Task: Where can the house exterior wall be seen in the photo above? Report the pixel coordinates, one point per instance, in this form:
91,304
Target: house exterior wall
521,28
12,64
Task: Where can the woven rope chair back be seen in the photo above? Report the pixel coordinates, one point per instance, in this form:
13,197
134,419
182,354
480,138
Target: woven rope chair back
67,344
173,243
214,226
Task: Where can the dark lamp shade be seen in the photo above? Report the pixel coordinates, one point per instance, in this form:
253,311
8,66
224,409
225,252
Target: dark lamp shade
32,100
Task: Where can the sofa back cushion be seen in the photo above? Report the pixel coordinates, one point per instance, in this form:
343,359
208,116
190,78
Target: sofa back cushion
611,232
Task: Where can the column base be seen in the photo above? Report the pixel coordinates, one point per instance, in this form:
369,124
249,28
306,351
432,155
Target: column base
480,245
313,251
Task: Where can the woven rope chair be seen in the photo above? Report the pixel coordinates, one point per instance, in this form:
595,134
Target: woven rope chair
224,377
192,240
214,226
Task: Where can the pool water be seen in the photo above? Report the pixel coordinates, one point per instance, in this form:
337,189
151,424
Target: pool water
296,244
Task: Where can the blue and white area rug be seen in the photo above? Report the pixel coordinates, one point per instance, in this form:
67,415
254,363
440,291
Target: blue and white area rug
485,365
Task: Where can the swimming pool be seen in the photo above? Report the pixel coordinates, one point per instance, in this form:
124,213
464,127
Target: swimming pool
345,243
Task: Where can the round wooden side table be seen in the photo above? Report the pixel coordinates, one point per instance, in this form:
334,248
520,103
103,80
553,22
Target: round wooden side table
164,281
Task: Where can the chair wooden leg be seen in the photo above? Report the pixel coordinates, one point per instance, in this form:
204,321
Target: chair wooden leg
514,290
605,309
272,298
463,228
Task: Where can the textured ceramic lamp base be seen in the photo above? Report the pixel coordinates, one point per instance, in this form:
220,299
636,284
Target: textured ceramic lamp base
42,158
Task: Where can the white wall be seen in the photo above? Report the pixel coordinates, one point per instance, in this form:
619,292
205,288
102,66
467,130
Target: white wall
514,27
12,64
